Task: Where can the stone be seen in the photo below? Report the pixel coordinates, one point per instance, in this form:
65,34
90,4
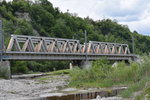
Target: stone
24,15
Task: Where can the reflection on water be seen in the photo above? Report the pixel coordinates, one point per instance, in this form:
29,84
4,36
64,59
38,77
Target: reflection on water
85,96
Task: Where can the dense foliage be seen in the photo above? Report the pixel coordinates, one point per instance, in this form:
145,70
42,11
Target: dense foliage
40,18
101,74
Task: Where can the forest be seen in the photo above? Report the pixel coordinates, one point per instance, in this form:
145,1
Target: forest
40,18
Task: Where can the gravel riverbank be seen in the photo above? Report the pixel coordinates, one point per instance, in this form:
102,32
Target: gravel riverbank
26,88
23,89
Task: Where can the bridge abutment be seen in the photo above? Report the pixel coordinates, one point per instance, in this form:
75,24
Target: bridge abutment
5,69
4,65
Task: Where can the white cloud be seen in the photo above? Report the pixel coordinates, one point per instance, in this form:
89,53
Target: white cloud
141,25
134,13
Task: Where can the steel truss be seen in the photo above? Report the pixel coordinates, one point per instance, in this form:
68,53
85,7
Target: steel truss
21,43
23,47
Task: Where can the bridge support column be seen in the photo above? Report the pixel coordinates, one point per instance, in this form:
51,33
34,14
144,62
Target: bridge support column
86,64
5,69
81,64
70,65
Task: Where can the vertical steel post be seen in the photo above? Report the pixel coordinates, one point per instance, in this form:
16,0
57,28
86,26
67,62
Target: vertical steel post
85,35
1,41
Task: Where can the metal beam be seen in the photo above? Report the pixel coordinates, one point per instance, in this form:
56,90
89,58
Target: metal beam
64,56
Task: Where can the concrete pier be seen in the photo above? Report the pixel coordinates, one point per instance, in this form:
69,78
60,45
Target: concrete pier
86,64
82,64
5,69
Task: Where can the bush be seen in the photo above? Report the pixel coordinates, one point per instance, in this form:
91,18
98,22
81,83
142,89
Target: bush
19,67
123,73
22,67
3,72
101,68
88,77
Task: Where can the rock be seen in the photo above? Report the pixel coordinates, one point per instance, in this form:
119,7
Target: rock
98,97
69,89
24,15
51,94
109,98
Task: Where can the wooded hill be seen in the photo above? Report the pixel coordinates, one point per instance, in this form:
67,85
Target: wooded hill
42,19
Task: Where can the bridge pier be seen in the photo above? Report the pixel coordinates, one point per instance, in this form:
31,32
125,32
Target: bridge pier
86,64
82,64
5,69
4,65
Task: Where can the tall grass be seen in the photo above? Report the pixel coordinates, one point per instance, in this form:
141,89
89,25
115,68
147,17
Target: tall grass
101,74
90,77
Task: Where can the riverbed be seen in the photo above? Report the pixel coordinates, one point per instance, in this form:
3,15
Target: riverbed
16,89
51,87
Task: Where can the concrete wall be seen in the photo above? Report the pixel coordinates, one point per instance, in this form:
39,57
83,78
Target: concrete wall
5,69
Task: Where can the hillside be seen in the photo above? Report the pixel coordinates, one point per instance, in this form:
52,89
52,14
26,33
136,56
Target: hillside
42,19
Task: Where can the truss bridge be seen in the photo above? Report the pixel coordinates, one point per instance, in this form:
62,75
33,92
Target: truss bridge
23,47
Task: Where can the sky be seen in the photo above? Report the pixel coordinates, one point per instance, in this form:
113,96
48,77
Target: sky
134,13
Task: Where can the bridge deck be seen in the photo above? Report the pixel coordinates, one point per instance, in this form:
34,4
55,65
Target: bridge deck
63,56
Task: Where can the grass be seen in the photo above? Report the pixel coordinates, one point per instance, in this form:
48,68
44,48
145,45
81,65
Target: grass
101,74
42,80
59,72
145,94
134,87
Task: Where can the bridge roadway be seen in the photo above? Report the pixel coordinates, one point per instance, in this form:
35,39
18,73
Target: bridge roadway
62,56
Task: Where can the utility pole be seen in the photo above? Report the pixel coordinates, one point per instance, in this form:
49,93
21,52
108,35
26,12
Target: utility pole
1,41
132,44
85,36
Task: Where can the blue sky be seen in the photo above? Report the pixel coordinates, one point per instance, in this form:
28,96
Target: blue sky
134,13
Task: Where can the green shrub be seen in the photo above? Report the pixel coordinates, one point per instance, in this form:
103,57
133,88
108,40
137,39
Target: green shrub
19,67
92,76
101,74
133,87
124,73
100,68
3,72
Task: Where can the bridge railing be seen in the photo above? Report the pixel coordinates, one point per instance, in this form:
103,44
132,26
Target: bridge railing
22,43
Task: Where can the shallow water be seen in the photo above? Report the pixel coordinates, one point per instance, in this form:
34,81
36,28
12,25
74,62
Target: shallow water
85,95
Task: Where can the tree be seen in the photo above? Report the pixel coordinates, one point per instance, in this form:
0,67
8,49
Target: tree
20,5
